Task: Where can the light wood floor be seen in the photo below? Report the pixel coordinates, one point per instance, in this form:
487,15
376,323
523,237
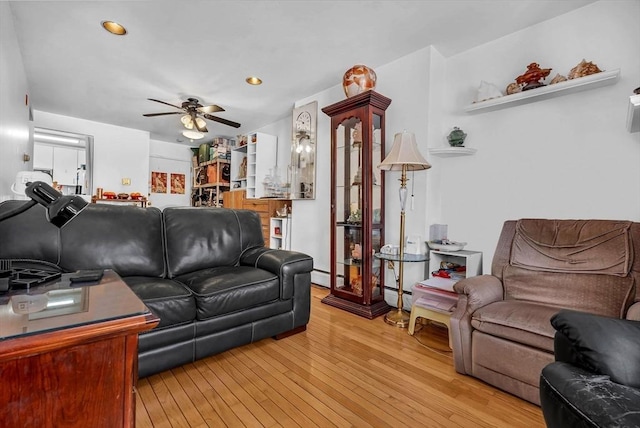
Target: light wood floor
343,371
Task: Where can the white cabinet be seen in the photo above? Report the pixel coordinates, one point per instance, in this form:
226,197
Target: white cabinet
438,259
280,233
65,166
42,157
253,162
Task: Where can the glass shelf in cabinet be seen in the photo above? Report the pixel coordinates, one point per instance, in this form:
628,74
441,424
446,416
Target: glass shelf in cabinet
347,224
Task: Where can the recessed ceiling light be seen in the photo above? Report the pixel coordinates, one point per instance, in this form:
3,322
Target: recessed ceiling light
193,135
114,28
253,80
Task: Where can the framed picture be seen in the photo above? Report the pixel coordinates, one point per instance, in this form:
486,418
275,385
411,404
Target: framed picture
177,184
158,182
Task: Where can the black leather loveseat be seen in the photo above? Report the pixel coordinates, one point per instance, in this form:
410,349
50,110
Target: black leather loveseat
595,381
205,272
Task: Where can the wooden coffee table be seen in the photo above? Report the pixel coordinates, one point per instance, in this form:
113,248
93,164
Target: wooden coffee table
69,354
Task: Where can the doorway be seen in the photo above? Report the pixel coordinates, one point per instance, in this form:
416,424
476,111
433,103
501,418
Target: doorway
67,158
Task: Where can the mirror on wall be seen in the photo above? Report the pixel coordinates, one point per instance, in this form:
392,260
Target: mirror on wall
302,170
67,158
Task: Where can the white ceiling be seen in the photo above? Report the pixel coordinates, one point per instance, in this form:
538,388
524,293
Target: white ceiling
181,48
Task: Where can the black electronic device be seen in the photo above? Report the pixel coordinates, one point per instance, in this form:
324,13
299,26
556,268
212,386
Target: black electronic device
93,275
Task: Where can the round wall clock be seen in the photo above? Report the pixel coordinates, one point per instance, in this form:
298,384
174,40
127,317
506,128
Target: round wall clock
303,122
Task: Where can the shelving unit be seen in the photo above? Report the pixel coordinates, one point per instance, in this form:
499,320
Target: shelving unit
238,156
471,259
434,298
446,152
550,91
633,114
280,233
205,192
260,156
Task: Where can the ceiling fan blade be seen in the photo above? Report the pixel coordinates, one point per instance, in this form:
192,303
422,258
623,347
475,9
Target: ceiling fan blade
162,102
223,121
210,109
162,114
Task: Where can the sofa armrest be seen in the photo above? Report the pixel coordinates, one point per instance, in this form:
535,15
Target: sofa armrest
473,293
285,264
573,397
601,345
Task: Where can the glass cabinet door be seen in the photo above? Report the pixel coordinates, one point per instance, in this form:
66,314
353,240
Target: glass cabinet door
357,207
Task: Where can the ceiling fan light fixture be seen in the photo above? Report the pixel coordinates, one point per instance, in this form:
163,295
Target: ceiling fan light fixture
193,135
186,121
201,123
253,80
114,28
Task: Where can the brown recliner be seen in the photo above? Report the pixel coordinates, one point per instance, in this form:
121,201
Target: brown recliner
501,330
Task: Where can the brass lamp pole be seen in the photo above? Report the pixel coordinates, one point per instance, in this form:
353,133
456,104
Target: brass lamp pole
404,156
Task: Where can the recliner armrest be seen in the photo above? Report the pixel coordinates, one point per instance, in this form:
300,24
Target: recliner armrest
473,293
285,264
480,291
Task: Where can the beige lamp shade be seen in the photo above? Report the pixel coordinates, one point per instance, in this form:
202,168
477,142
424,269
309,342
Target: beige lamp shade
404,153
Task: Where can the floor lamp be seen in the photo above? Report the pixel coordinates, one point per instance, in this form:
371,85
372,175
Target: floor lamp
404,156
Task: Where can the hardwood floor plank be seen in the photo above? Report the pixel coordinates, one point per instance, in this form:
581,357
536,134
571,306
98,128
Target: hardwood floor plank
152,405
268,386
200,402
182,400
238,385
174,414
344,370
226,404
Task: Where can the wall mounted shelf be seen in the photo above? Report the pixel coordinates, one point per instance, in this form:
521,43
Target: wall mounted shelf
447,152
550,91
633,115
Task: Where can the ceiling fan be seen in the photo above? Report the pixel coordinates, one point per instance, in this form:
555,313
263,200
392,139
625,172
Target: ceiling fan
193,112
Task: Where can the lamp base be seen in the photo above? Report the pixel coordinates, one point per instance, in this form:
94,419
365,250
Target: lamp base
397,318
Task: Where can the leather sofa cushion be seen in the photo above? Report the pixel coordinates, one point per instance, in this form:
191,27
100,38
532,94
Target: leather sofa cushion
522,322
602,345
208,237
171,301
28,235
606,295
126,239
227,289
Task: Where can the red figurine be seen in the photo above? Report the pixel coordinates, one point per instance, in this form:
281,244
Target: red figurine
531,78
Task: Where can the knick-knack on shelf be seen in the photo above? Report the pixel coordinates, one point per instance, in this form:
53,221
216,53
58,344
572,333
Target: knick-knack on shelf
456,137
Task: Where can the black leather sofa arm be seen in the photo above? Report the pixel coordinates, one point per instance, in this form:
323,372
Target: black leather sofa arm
595,381
573,397
285,264
601,345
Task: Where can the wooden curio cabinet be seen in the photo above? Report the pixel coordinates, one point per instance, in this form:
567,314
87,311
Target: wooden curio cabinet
357,204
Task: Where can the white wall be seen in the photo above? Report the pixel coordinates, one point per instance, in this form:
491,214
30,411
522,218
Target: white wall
15,128
118,152
567,157
170,158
